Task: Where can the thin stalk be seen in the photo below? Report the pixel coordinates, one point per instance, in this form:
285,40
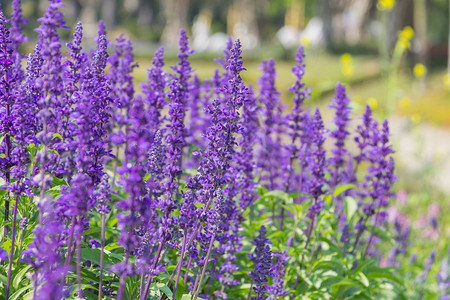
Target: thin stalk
179,267
7,154
69,245
193,234
308,236
11,254
142,285
358,235
250,291
102,258
371,235
204,266
150,277
195,284
187,267
123,279
116,162
79,262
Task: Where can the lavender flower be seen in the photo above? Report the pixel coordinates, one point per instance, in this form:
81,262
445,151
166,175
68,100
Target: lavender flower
44,256
341,119
269,158
245,157
296,119
262,260
17,19
154,90
104,196
177,108
318,162
278,271
443,278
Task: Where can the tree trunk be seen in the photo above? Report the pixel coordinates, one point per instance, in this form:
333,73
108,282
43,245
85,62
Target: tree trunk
175,12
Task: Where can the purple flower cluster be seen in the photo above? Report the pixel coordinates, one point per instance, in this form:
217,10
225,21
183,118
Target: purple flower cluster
190,156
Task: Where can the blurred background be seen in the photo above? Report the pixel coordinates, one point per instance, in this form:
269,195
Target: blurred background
392,54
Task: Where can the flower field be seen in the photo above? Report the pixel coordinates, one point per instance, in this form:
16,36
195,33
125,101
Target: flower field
192,188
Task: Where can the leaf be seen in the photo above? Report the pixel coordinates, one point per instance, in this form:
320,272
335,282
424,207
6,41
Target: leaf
329,282
3,279
19,276
276,194
331,265
186,296
19,292
164,288
350,207
383,275
93,255
57,135
340,189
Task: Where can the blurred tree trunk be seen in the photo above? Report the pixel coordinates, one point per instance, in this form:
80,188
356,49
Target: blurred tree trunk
344,21
448,50
242,22
108,12
399,17
144,13
295,14
420,28
88,17
175,12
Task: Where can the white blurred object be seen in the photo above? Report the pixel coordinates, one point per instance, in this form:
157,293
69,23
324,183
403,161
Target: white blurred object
291,37
203,40
313,33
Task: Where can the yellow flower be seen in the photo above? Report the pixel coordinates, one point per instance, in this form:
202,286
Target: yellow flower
447,80
405,103
346,58
407,33
347,71
420,71
404,37
305,41
385,5
346,65
373,103
416,118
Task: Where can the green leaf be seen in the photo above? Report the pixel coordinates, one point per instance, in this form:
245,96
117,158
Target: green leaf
276,194
57,135
19,292
383,275
340,189
186,296
19,276
3,279
164,288
350,207
2,193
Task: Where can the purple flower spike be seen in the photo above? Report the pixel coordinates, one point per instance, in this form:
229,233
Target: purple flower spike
318,164
17,19
262,260
269,157
154,90
341,119
278,270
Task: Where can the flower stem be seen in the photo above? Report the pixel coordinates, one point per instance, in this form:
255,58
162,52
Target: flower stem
123,279
150,276
102,258
79,260
204,266
179,267
11,254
